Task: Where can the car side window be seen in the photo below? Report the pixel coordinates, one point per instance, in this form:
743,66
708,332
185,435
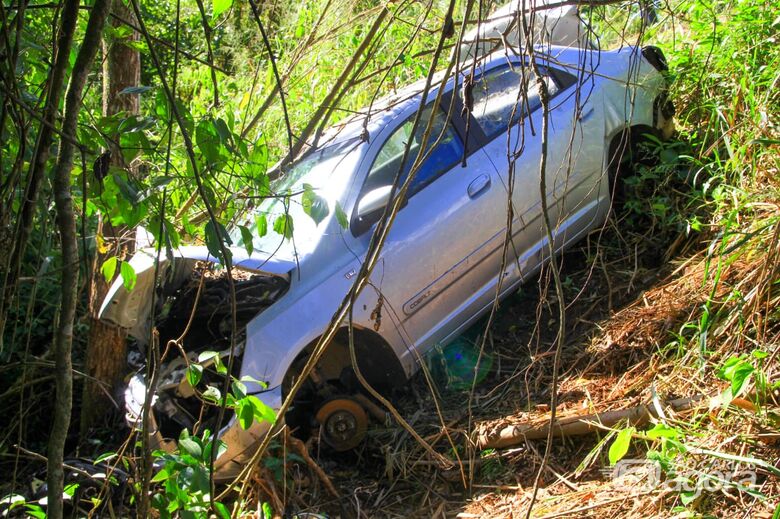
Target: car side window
440,156
496,94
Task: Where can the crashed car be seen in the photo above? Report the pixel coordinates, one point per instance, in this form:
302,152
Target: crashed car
440,266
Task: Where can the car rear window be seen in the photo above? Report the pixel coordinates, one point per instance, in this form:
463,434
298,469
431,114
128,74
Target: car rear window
497,97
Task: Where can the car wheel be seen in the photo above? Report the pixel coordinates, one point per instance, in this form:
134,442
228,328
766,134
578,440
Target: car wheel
343,423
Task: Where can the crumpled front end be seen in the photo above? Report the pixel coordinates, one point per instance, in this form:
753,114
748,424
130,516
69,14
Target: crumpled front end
192,304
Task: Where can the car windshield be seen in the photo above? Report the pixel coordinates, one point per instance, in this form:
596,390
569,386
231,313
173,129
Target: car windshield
322,172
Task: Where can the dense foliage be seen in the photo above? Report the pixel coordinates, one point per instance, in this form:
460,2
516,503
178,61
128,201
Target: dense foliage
188,168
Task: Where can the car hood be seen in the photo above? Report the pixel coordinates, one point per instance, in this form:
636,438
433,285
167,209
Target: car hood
130,309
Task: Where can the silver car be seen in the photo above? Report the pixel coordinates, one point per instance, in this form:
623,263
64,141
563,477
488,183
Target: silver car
441,263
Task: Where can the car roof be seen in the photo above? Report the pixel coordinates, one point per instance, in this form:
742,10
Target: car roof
387,108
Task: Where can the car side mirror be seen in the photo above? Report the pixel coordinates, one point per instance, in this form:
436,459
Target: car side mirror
373,201
369,209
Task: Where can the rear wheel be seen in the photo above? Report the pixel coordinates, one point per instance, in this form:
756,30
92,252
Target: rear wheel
628,150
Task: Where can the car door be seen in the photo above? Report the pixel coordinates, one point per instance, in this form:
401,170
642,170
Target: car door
440,255
507,110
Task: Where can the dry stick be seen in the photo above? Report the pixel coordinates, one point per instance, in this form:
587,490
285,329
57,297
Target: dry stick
279,85
207,34
335,90
300,448
296,57
544,98
41,153
66,223
190,150
361,280
516,434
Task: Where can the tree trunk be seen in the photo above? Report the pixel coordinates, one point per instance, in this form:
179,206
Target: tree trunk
106,343
23,228
66,224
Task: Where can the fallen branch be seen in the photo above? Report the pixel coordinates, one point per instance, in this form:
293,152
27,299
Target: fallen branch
303,452
491,437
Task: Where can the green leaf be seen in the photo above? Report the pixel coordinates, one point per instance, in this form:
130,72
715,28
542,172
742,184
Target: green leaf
314,205
239,389
109,268
220,6
208,140
162,475
212,394
194,374
36,511
103,457
70,489
740,377
262,412
191,447
222,510
128,275
216,237
246,413
207,355
341,216
620,446
267,510
261,223
246,238
663,431
284,225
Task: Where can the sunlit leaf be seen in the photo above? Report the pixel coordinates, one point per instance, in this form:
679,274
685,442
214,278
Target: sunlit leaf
341,216
284,225
314,205
194,374
246,238
220,6
127,272
620,446
109,268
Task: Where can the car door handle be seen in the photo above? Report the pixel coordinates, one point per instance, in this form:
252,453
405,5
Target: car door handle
587,114
478,185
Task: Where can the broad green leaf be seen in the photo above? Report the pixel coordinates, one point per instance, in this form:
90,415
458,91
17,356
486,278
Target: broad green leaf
70,489
191,447
314,205
103,457
263,413
246,238
246,414
261,223
109,268
208,140
663,431
239,389
620,446
220,6
341,216
284,225
212,394
222,510
207,355
194,374
216,237
162,475
128,275
740,377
